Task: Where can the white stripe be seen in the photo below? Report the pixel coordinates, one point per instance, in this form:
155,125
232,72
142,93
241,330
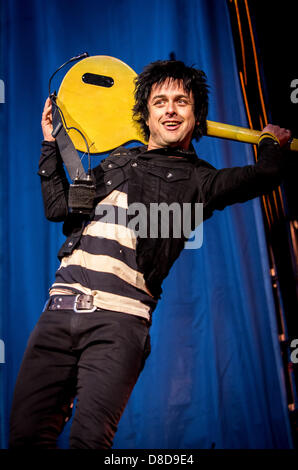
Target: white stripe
123,235
116,198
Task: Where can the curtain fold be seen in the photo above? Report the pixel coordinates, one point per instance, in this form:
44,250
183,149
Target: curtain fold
214,377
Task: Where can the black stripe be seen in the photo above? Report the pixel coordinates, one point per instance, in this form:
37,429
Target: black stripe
105,282
69,288
103,246
111,214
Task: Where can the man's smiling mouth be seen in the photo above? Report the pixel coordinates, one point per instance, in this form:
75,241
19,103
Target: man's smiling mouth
171,125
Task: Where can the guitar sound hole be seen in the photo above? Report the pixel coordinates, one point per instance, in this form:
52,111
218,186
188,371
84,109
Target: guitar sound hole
98,80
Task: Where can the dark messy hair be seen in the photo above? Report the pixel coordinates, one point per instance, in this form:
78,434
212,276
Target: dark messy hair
158,72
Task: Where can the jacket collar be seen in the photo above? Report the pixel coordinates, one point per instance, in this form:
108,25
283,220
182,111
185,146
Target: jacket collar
142,152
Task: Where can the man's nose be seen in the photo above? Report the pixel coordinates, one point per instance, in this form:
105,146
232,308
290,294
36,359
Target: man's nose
171,108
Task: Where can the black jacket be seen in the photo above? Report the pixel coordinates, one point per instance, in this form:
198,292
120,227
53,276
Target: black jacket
155,177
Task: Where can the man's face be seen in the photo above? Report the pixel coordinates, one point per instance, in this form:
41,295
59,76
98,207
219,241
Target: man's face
171,118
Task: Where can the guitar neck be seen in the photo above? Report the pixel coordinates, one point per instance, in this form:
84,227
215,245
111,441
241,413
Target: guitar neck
240,134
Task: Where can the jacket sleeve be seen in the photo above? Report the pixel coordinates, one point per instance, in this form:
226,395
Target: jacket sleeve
220,188
54,183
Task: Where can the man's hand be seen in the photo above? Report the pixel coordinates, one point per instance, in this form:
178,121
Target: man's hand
46,121
283,135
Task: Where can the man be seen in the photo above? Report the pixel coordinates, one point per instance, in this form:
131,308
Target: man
92,338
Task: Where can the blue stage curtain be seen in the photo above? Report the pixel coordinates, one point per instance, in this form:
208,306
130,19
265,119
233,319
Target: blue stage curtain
214,378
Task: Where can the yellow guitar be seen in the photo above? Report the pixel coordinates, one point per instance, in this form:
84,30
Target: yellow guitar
96,97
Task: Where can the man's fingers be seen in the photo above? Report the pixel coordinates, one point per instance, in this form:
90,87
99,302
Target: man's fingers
47,110
46,120
283,135
47,105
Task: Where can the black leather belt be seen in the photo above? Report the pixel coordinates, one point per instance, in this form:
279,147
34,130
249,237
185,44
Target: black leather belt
78,303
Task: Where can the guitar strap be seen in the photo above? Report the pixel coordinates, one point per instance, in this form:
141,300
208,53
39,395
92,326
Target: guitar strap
67,150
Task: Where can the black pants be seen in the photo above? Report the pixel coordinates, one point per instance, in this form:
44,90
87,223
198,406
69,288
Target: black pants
96,357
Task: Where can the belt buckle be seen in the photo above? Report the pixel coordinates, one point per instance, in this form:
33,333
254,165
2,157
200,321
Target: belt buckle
82,310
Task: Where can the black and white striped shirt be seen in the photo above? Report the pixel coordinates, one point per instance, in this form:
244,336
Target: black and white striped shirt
104,264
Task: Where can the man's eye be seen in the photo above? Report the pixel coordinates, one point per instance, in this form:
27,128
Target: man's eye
182,101
159,102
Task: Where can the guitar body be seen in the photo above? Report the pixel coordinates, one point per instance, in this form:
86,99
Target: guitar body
97,96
